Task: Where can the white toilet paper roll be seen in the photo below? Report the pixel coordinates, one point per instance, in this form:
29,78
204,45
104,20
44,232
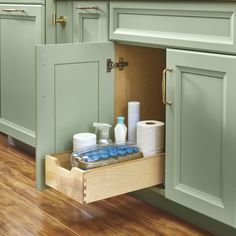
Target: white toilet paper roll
133,118
150,137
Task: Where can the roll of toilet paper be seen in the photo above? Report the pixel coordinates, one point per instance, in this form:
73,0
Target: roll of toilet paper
82,140
150,137
133,118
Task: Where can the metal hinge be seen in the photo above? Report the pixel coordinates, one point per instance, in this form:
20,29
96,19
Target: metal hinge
120,64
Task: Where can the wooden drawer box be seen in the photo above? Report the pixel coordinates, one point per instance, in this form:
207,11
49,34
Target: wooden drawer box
195,25
103,182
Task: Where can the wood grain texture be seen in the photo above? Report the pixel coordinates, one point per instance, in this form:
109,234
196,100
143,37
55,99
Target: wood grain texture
69,182
124,177
14,205
26,211
140,81
87,186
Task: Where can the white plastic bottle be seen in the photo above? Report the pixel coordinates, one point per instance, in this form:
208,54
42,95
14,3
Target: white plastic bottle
120,130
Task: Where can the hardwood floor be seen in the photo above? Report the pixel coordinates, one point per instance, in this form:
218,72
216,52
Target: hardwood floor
25,211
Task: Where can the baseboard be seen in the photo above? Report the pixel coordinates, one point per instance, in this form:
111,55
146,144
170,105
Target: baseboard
20,145
18,132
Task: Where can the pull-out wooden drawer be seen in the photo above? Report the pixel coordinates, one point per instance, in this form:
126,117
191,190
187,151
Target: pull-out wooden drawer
196,25
95,184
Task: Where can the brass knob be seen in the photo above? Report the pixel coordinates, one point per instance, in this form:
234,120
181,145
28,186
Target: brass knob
61,20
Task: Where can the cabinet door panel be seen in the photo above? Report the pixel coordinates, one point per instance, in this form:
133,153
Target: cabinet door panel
76,101
73,91
89,28
19,32
89,24
14,81
200,126
202,120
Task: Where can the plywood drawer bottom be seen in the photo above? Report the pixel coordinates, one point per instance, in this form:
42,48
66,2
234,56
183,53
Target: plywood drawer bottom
87,186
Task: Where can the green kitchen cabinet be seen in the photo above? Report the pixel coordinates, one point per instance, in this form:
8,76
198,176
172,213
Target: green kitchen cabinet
21,27
73,91
201,133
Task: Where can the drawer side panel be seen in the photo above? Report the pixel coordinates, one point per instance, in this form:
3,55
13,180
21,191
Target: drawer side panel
122,178
62,179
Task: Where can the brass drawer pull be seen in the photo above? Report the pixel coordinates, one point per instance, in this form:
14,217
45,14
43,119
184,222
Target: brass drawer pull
13,10
164,87
88,8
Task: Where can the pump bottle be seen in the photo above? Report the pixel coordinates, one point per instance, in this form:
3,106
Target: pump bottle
120,130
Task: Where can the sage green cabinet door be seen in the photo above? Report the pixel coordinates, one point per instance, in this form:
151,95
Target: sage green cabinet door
90,21
201,133
73,91
20,29
87,21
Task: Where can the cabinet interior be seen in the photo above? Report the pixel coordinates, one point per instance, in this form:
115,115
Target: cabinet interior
140,81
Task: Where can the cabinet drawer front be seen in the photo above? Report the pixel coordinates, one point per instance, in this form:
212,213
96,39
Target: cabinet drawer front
25,12
205,26
23,1
20,10
103,182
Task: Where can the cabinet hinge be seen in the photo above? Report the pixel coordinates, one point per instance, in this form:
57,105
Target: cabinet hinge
120,64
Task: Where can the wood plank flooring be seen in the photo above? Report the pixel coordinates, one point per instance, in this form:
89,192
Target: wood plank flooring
25,211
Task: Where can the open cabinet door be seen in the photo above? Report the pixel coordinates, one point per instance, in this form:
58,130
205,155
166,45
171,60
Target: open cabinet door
73,91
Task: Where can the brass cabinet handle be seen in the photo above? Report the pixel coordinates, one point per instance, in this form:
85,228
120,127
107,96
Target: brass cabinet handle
88,8
164,86
61,20
13,10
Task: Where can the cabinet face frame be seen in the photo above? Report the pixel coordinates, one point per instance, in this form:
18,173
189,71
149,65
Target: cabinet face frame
199,146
